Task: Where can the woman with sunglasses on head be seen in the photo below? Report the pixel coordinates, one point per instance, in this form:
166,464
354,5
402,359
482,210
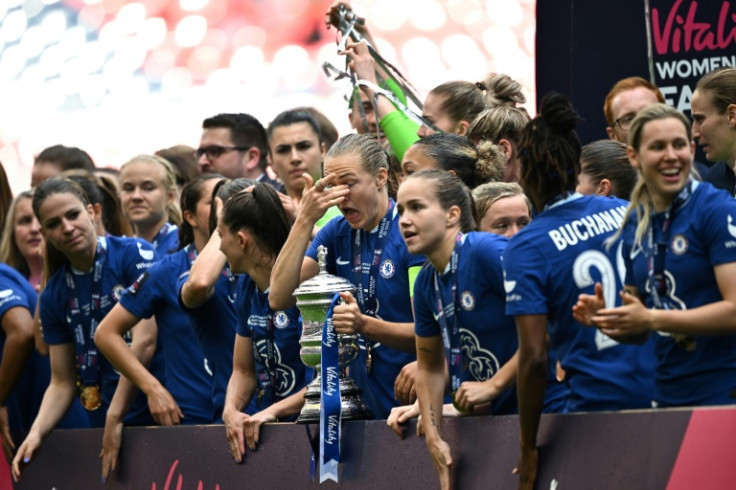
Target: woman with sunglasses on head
148,192
266,364
364,246
207,293
547,265
87,274
186,396
680,255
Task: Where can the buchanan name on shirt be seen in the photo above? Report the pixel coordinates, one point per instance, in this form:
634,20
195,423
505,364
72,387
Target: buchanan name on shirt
587,227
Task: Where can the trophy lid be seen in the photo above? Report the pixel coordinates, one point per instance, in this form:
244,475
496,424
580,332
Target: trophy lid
323,283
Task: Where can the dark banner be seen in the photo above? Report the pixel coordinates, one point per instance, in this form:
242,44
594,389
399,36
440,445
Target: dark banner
667,449
583,47
687,40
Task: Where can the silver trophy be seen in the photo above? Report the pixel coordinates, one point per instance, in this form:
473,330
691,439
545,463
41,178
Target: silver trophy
313,297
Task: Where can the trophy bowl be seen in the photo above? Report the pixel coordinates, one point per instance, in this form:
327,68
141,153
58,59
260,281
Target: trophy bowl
314,298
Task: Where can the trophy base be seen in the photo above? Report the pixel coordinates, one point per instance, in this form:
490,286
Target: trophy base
352,405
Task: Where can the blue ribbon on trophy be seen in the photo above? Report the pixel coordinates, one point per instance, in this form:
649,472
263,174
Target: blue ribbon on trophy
331,408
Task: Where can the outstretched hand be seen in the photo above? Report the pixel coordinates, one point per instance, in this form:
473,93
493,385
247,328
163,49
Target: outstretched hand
588,304
630,319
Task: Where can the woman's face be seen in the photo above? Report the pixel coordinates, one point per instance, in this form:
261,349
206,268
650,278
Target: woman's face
143,193
367,201
67,224
201,216
27,230
432,111
506,217
423,222
713,129
295,150
664,158
415,160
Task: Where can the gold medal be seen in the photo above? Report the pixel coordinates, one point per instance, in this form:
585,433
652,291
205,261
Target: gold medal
90,398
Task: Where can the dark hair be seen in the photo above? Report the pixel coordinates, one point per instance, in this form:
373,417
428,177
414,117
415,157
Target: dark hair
287,118
181,158
113,219
245,130
66,157
262,214
6,194
326,128
721,85
191,194
452,152
607,159
550,151
450,191
56,185
225,189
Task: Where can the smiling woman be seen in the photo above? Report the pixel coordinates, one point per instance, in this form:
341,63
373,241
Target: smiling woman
678,248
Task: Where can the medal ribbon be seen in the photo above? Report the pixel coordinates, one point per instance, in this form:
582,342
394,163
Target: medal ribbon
367,300
267,379
447,313
656,248
330,410
77,318
165,230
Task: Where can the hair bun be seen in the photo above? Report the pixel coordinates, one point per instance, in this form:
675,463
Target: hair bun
557,112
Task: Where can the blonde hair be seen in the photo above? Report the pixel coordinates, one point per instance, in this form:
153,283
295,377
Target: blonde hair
641,199
9,251
486,196
169,183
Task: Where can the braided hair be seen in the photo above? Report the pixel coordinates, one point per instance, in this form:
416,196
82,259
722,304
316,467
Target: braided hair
550,151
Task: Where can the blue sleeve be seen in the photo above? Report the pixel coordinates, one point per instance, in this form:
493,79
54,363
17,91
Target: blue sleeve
323,238
143,297
424,323
179,285
51,309
490,260
12,296
243,304
525,279
720,229
137,258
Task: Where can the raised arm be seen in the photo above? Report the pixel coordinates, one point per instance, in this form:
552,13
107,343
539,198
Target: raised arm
206,270
291,266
